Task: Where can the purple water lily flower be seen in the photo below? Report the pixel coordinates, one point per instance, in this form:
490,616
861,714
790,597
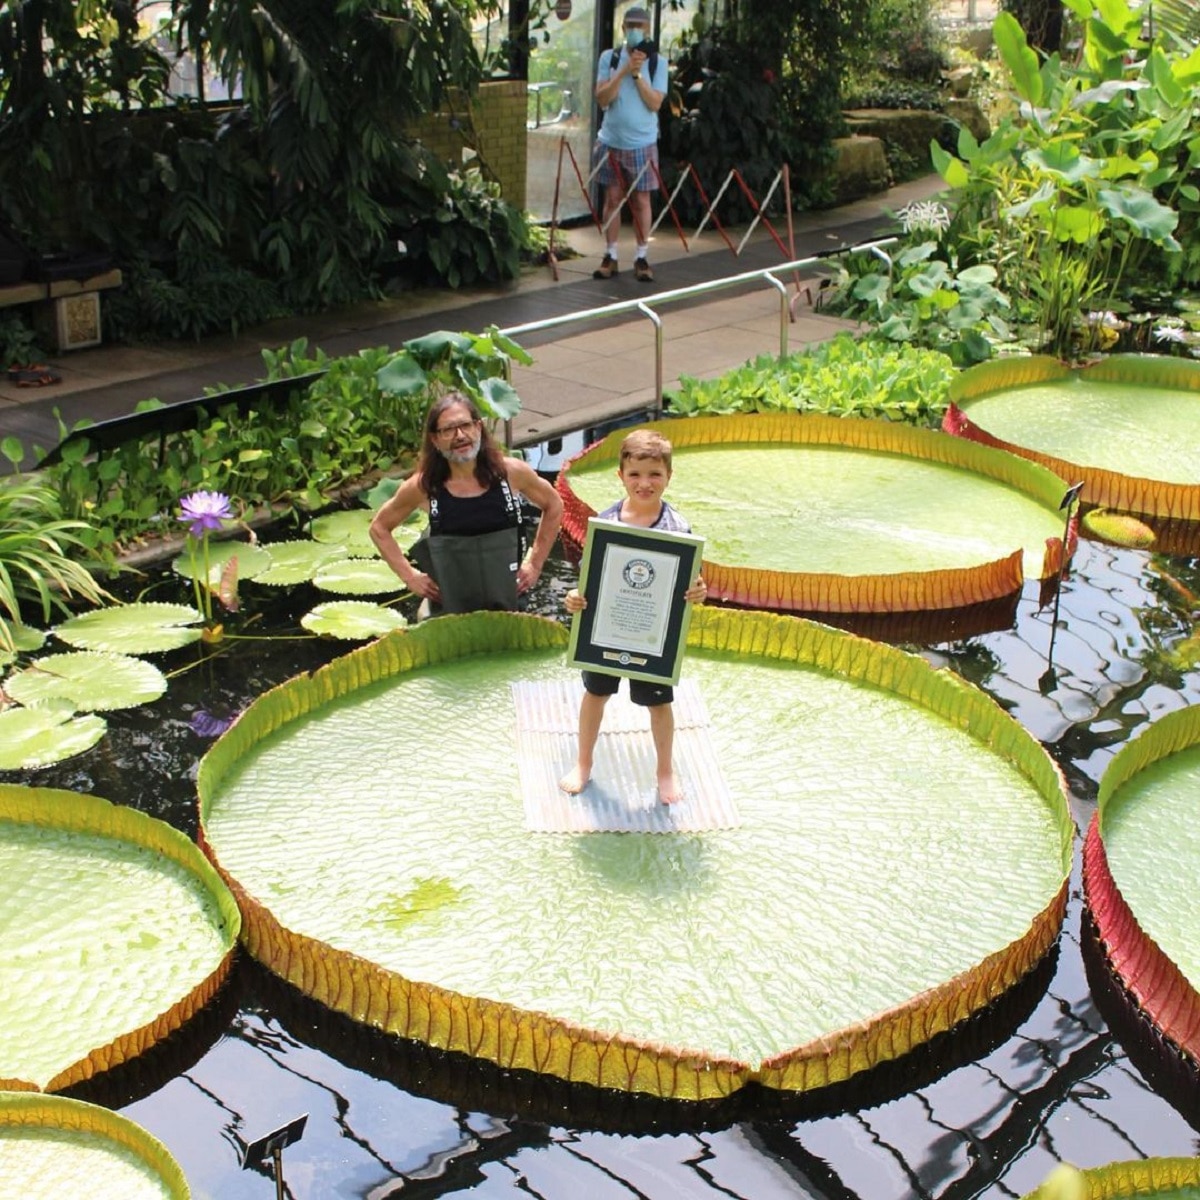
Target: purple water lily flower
204,511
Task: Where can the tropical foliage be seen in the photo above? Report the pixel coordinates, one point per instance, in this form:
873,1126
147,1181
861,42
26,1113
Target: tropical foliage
1075,194
42,556
292,193
844,377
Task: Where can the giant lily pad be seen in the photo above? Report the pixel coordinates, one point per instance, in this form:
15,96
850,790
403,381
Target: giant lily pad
39,737
819,515
1126,426
347,530
133,628
1144,903
1141,1179
116,931
89,680
902,859
52,1146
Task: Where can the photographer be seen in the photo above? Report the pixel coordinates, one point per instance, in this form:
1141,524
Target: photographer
631,82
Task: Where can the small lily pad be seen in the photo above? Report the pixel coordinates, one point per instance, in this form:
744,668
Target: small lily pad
132,628
24,640
358,577
346,529
353,620
39,737
252,561
297,562
89,680
1120,528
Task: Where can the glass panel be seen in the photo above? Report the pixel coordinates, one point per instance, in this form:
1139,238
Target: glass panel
562,74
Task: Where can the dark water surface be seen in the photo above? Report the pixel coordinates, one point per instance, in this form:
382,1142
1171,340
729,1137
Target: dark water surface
986,1111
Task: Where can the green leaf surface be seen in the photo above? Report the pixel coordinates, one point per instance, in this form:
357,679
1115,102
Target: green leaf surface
25,640
840,510
89,680
251,561
143,628
55,1147
358,577
348,530
32,737
297,562
743,943
110,920
352,619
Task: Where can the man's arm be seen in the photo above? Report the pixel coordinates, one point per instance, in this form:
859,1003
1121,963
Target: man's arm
607,88
651,97
407,499
537,491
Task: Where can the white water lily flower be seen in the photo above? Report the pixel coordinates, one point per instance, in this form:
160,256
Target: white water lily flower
1170,333
924,216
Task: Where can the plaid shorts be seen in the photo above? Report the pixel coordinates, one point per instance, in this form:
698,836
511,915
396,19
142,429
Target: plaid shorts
631,162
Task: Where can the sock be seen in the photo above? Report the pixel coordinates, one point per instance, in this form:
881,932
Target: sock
611,250
643,249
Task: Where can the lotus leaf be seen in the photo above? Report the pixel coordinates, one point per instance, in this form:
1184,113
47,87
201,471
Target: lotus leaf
352,619
1143,903
36,737
115,924
88,679
902,859
1143,1179
52,1146
1125,426
358,577
133,628
347,529
252,561
296,562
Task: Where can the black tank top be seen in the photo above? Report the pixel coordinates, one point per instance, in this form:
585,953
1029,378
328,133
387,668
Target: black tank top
473,515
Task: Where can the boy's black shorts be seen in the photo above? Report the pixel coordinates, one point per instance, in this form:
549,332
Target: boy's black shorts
648,695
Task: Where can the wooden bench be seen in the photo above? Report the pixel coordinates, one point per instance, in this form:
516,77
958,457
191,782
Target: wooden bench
66,310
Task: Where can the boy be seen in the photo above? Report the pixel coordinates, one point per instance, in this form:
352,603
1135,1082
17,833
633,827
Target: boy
645,471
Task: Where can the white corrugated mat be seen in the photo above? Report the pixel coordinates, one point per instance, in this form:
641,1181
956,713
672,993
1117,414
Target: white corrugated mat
621,795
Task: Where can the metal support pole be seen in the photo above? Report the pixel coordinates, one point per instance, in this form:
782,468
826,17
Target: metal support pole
1068,503
785,311
646,310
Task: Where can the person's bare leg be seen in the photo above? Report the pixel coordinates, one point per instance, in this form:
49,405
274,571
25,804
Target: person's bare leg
662,730
591,714
612,213
639,204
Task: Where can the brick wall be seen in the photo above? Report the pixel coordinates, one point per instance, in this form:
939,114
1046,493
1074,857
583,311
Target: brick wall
497,118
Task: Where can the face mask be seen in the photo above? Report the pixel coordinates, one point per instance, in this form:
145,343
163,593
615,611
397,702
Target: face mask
634,38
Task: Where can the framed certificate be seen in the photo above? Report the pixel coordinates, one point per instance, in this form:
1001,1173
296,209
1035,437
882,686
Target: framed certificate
636,620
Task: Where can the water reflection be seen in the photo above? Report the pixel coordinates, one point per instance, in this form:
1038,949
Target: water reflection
984,1112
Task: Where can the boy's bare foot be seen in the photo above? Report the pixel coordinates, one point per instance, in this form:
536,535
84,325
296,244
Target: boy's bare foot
669,792
574,781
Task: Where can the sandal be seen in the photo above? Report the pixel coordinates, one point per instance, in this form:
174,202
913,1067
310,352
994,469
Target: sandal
33,375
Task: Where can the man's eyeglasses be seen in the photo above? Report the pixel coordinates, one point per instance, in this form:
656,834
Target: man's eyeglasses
457,427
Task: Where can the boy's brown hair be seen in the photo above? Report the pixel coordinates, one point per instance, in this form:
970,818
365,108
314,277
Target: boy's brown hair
646,444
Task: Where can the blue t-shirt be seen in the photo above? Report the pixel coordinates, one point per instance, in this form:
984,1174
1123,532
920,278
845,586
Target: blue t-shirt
628,124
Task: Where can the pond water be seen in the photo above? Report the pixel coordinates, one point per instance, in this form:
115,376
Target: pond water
987,1111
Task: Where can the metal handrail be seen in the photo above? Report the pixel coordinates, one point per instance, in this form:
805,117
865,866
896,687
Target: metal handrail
648,305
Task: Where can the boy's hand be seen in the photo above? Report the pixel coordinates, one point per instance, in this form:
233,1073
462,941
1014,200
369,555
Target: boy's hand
573,602
698,592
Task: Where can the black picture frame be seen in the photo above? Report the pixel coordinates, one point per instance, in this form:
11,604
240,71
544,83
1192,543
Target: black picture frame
636,620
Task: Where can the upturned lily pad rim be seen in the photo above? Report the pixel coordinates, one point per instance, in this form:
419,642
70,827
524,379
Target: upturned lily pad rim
513,1037
1166,996
1147,1177
1102,488
29,1110
81,812
818,592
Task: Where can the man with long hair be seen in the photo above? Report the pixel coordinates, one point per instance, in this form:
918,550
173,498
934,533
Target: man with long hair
472,557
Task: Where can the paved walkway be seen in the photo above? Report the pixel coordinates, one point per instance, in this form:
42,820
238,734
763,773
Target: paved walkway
585,372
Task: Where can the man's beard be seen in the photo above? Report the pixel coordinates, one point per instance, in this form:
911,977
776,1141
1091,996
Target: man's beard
470,454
